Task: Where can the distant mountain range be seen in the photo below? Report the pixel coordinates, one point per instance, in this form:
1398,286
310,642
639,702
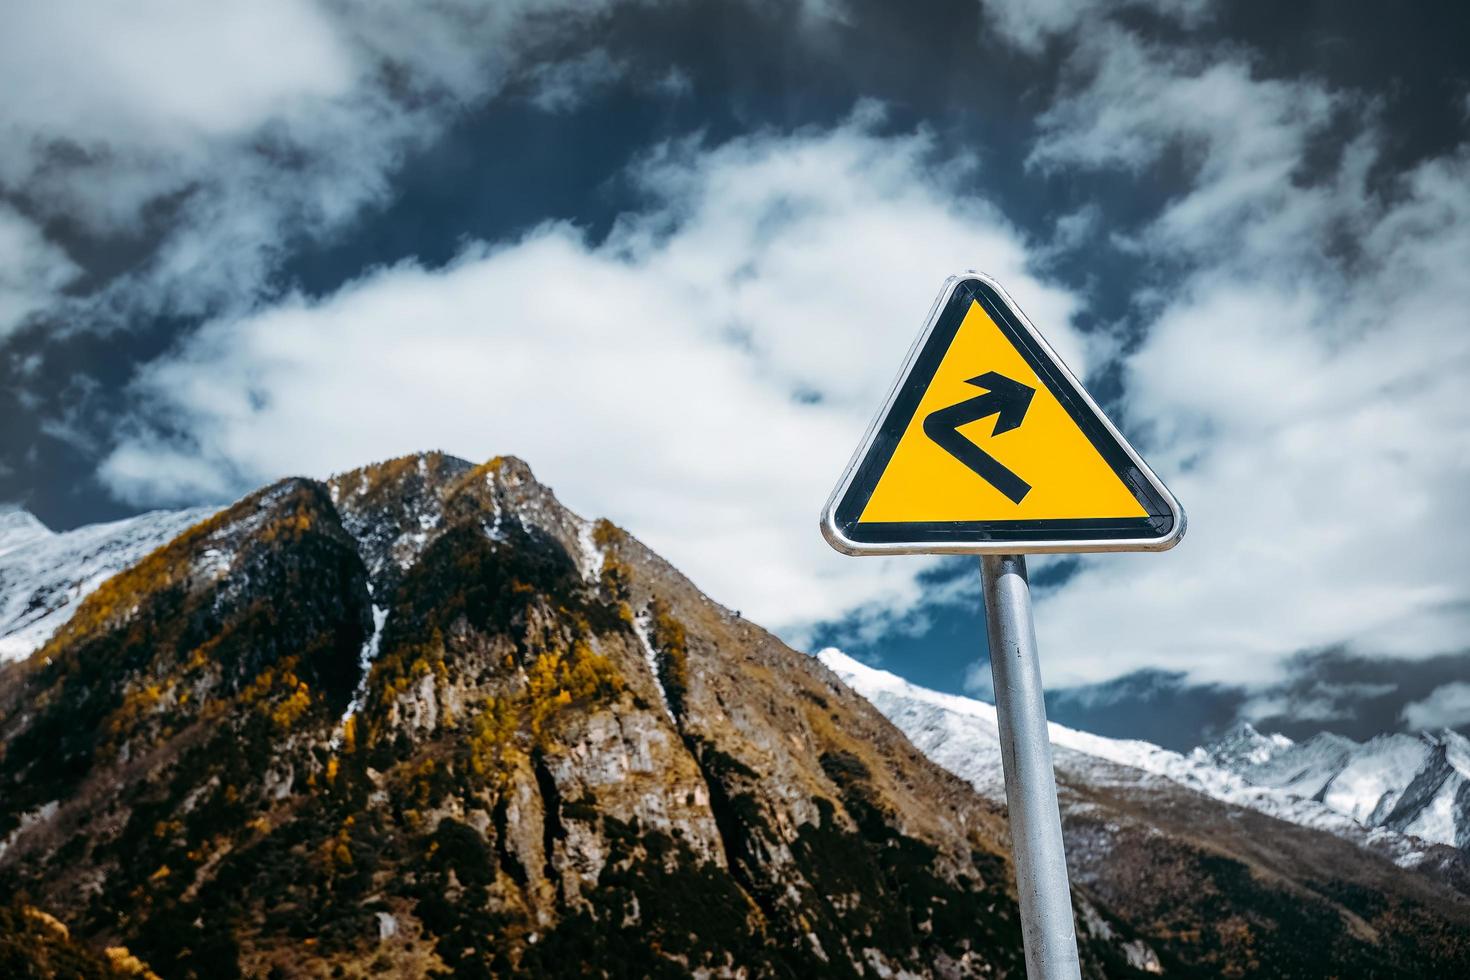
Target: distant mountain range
1396,794
421,719
1414,784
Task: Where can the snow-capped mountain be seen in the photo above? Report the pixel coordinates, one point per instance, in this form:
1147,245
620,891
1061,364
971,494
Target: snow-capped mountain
960,734
43,574
1415,784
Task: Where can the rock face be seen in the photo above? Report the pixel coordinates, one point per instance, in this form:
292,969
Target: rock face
422,718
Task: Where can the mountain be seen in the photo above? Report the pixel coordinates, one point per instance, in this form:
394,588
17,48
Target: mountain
1414,784
44,575
1184,832
422,719
960,734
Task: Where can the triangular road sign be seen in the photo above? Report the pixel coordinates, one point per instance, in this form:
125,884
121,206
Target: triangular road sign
989,445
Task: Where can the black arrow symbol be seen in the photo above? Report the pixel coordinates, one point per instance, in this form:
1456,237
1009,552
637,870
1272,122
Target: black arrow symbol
1007,400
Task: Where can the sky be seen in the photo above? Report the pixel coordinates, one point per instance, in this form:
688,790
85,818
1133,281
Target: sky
672,254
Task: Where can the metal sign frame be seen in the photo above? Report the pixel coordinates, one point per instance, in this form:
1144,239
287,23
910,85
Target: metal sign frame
1161,530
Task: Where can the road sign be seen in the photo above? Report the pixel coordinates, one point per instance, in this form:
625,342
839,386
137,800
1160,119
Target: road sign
989,445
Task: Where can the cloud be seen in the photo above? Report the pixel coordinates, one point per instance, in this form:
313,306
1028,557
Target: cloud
1030,24
1299,380
1244,137
32,270
1292,365
566,85
1355,695
1305,700
205,140
1446,707
700,376
980,681
162,70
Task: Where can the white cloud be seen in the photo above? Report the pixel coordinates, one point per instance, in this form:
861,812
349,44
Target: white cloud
1245,137
700,377
564,86
1447,706
1029,24
165,71
1319,701
32,270
211,135
1301,386
980,681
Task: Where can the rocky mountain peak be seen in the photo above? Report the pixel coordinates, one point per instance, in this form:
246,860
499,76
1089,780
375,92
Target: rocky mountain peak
426,694
396,508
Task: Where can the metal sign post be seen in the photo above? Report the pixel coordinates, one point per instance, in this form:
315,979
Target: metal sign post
1031,790
1051,474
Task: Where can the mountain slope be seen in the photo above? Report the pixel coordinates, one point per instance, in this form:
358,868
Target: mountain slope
44,575
560,753
1176,843
1415,784
423,719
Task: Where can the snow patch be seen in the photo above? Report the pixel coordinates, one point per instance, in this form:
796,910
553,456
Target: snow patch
365,660
1406,783
1435,821
650,655
494,530
1373,780
590,557
213,563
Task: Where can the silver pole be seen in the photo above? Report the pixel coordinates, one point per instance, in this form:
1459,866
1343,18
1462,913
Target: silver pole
1031,790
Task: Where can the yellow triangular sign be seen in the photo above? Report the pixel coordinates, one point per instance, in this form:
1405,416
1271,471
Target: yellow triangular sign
988,444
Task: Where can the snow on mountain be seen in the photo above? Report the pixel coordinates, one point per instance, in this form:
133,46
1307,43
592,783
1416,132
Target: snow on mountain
1302,769
1244,746
43,574
1436,805
1415,784
18,527
960,734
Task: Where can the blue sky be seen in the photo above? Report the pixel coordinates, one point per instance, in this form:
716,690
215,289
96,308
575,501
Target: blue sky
671,254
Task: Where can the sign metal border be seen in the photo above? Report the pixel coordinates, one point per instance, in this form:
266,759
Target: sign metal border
960,538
